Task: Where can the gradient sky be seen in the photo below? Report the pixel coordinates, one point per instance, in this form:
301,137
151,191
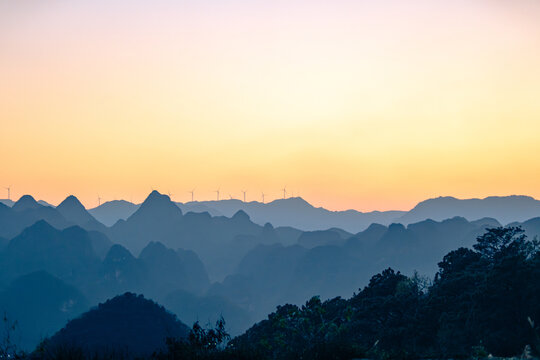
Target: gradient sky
365,104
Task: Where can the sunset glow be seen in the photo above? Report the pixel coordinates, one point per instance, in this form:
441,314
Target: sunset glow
371,105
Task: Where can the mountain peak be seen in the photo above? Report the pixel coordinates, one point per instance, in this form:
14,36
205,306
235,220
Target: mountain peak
156,197
241,215
39,227
293,202
26,202
118,253
157,201
154,248
72,210
72,203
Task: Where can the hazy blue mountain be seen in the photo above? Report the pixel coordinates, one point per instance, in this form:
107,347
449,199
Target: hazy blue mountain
67,254
7,202
44,203
298,213
155,273
110,212
207,310
262,279
170,270
198,279
26,202
10,203
311,239
157,219
531,227
40,304
417,246
505,209
220,242
3,243
127,324
292,212
198,207
120,272
100,243
327,271
25,212
275,274
73,211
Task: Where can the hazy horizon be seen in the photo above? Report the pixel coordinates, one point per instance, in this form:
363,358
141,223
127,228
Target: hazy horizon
248,200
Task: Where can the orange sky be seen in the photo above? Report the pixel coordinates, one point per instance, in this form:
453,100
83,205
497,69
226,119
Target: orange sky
350,104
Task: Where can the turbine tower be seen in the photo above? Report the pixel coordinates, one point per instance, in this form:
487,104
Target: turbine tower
217,193
170,195
284,192
263,197
99,200
244,191
8,192
192,192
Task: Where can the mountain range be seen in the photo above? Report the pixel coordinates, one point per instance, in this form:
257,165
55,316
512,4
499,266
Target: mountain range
201,266
299,214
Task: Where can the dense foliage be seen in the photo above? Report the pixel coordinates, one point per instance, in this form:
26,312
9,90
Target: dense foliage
483,300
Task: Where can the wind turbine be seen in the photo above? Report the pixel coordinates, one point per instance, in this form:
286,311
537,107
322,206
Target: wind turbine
99,200
284,192
244,191
230,197
170,195
8,192
217,193
263,197
192,192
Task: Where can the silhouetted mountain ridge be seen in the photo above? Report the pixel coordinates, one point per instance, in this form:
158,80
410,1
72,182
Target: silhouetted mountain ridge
127,325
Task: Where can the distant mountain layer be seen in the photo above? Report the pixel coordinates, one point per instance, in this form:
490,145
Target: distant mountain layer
299,214
219,241
10,203
27,211
112,211
505,209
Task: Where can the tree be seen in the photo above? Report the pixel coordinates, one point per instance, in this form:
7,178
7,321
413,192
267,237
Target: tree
8,349
497,240
202,343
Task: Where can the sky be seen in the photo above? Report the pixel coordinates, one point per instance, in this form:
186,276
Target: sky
364,104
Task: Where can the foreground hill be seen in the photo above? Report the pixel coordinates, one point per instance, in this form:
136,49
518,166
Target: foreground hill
125,325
